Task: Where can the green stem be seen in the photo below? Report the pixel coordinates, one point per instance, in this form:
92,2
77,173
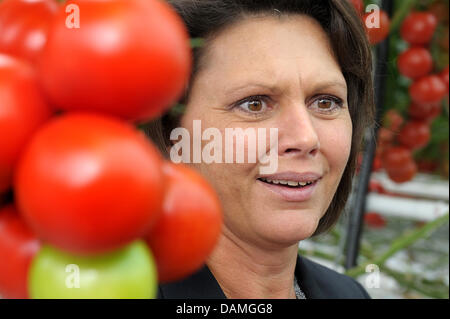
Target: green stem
401,243
412,283
402,279
400,13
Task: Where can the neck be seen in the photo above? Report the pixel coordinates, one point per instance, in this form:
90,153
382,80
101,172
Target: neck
245,271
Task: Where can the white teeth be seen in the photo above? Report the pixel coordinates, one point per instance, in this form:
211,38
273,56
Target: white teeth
290,183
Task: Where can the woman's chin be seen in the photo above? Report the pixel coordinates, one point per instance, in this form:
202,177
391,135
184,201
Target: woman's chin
289,227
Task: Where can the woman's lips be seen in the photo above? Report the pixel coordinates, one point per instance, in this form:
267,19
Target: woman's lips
292,194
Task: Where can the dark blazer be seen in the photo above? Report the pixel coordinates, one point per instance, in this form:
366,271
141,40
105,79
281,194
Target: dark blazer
315,280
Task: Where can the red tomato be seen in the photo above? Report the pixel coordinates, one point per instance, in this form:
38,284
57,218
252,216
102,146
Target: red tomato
415,62
404,173
358,4
375,186
22,111
424,112
379,33
24,25
189,227
428,90
377,163
415,134
18,245
374,220
444,76
89,184
385,136
418,28
129,58
396,157
427,166
393,120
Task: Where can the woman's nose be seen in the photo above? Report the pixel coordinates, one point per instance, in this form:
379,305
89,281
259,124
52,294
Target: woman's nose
297,135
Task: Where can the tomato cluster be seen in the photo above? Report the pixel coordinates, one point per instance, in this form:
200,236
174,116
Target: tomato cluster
401,136
95,207
398,140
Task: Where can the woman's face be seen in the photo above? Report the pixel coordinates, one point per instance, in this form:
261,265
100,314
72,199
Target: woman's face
268,72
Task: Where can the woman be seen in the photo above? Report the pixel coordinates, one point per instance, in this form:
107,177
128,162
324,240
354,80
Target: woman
303,67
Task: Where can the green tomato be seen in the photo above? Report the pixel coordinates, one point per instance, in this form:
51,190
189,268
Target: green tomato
129,272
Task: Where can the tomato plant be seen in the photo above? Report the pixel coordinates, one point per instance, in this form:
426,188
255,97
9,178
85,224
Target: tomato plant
130,58
415,62
129,272
189,226
89,184
418,28
22,111
24,25
18,245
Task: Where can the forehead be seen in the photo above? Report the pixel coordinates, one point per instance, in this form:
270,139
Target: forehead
271,48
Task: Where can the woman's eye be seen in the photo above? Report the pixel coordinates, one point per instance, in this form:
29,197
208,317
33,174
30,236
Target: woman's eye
254,105
327,104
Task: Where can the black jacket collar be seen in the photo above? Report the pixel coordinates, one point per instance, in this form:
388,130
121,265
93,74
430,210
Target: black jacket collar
315,280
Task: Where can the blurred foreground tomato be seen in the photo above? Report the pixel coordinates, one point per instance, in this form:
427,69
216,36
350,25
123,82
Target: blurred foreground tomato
415,62
418,28
24,25
127,273
88,183
129,58
428,90
18,245
22,111
189,226
376,33
415,134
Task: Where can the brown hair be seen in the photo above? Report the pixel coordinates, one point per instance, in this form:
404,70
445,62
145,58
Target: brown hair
206,18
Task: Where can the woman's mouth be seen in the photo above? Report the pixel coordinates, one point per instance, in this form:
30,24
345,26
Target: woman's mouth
288,190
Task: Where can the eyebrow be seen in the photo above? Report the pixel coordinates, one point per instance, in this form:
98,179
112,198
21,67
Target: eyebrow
274,88
270,87
329,84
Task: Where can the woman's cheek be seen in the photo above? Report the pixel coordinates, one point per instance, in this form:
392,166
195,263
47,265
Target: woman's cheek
335,141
